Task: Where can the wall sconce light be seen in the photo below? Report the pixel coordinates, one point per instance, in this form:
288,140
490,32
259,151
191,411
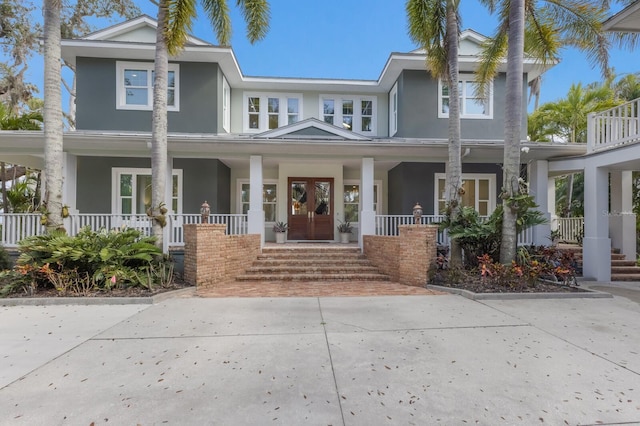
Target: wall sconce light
204,212
417,213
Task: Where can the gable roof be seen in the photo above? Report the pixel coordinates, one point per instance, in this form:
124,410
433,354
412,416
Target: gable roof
627,20
311,128
133,30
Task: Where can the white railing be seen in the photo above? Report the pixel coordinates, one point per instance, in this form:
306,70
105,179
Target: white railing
615,126
17,226
571,229
387,225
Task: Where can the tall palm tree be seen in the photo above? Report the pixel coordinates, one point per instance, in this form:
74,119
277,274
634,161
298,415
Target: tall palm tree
52,115
175,19
540,29
435,26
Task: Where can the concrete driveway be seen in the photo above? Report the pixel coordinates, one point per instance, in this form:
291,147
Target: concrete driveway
323,361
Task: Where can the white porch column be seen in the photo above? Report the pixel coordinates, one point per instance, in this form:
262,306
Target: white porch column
551,202
367,214
539,189
597,245
256,210
622,221
69,180
168,199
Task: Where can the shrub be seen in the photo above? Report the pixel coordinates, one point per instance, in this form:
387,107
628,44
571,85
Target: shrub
90,261
5,259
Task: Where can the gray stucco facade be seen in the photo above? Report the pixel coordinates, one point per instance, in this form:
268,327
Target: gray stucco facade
203,179
411,183
418,110
96,100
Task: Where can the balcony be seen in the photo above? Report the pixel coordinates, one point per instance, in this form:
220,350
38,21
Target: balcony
614,127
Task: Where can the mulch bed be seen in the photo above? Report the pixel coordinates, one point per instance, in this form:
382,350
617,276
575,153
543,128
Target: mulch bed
476,284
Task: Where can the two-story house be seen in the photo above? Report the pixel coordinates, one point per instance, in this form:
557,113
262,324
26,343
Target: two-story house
308,151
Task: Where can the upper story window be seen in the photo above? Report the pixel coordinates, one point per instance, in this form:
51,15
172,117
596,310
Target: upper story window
355,113
393,110
267,111
135,82
471,106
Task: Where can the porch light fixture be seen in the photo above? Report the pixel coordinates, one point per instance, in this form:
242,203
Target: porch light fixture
204,212
417,213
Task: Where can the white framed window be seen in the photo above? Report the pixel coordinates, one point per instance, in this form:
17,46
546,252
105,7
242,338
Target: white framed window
267,111
226,105
479,192
471,106
131,191
393,110
355,113
269,198
134,86
351,198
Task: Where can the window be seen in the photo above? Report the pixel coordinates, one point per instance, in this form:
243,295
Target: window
269,199
135,86
132,191
266,111
479,192
471,106
351,196
226,105
355,113
393,110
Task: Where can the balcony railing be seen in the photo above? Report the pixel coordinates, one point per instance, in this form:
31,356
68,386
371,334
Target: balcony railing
616,126
17,226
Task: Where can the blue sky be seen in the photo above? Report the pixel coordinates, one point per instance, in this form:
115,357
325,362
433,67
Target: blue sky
352,39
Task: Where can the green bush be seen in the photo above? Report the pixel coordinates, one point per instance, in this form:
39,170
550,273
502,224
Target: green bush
5,259
90,261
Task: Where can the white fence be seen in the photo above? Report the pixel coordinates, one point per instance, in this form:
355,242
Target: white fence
388,225
571,229
17,226
615,126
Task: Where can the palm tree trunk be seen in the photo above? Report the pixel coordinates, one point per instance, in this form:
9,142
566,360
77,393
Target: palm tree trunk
159,126
454,166
52,115
513,123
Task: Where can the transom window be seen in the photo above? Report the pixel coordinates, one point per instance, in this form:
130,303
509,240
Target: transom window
351,196
471,105
132,191
135,81
269,111
479,192
269,199
355,113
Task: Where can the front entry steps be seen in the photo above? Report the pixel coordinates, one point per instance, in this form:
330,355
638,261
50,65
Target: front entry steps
297,262
621,268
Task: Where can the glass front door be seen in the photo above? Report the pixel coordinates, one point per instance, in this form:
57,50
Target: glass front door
310,209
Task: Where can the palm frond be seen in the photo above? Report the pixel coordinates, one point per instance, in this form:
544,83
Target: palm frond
180,14
218,13
256,14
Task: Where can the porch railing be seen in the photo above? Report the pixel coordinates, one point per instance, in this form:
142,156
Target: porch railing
571,229
388,225
615,126
17,226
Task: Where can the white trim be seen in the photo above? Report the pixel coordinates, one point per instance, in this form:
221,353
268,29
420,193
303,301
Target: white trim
393,110
263,117
242,181
465,78
132,25
378,199
226,105
283,132
357,111
116,172
121,95
491,177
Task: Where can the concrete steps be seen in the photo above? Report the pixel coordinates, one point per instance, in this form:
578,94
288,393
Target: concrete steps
621,268
300,263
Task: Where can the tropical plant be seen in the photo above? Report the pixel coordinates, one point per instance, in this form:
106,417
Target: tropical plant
345,227
541,29
174,23
280,227
435,26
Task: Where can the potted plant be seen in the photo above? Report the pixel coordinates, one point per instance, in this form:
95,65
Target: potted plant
280,229
345,229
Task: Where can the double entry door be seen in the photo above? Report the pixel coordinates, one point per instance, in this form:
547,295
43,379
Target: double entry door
310,208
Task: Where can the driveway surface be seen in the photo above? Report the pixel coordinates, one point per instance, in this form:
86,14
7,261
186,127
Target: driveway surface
396,360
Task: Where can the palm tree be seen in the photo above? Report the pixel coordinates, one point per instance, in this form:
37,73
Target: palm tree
539,29
435,26
174,23
52,115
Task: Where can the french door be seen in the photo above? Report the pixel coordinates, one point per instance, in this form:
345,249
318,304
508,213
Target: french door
310,208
